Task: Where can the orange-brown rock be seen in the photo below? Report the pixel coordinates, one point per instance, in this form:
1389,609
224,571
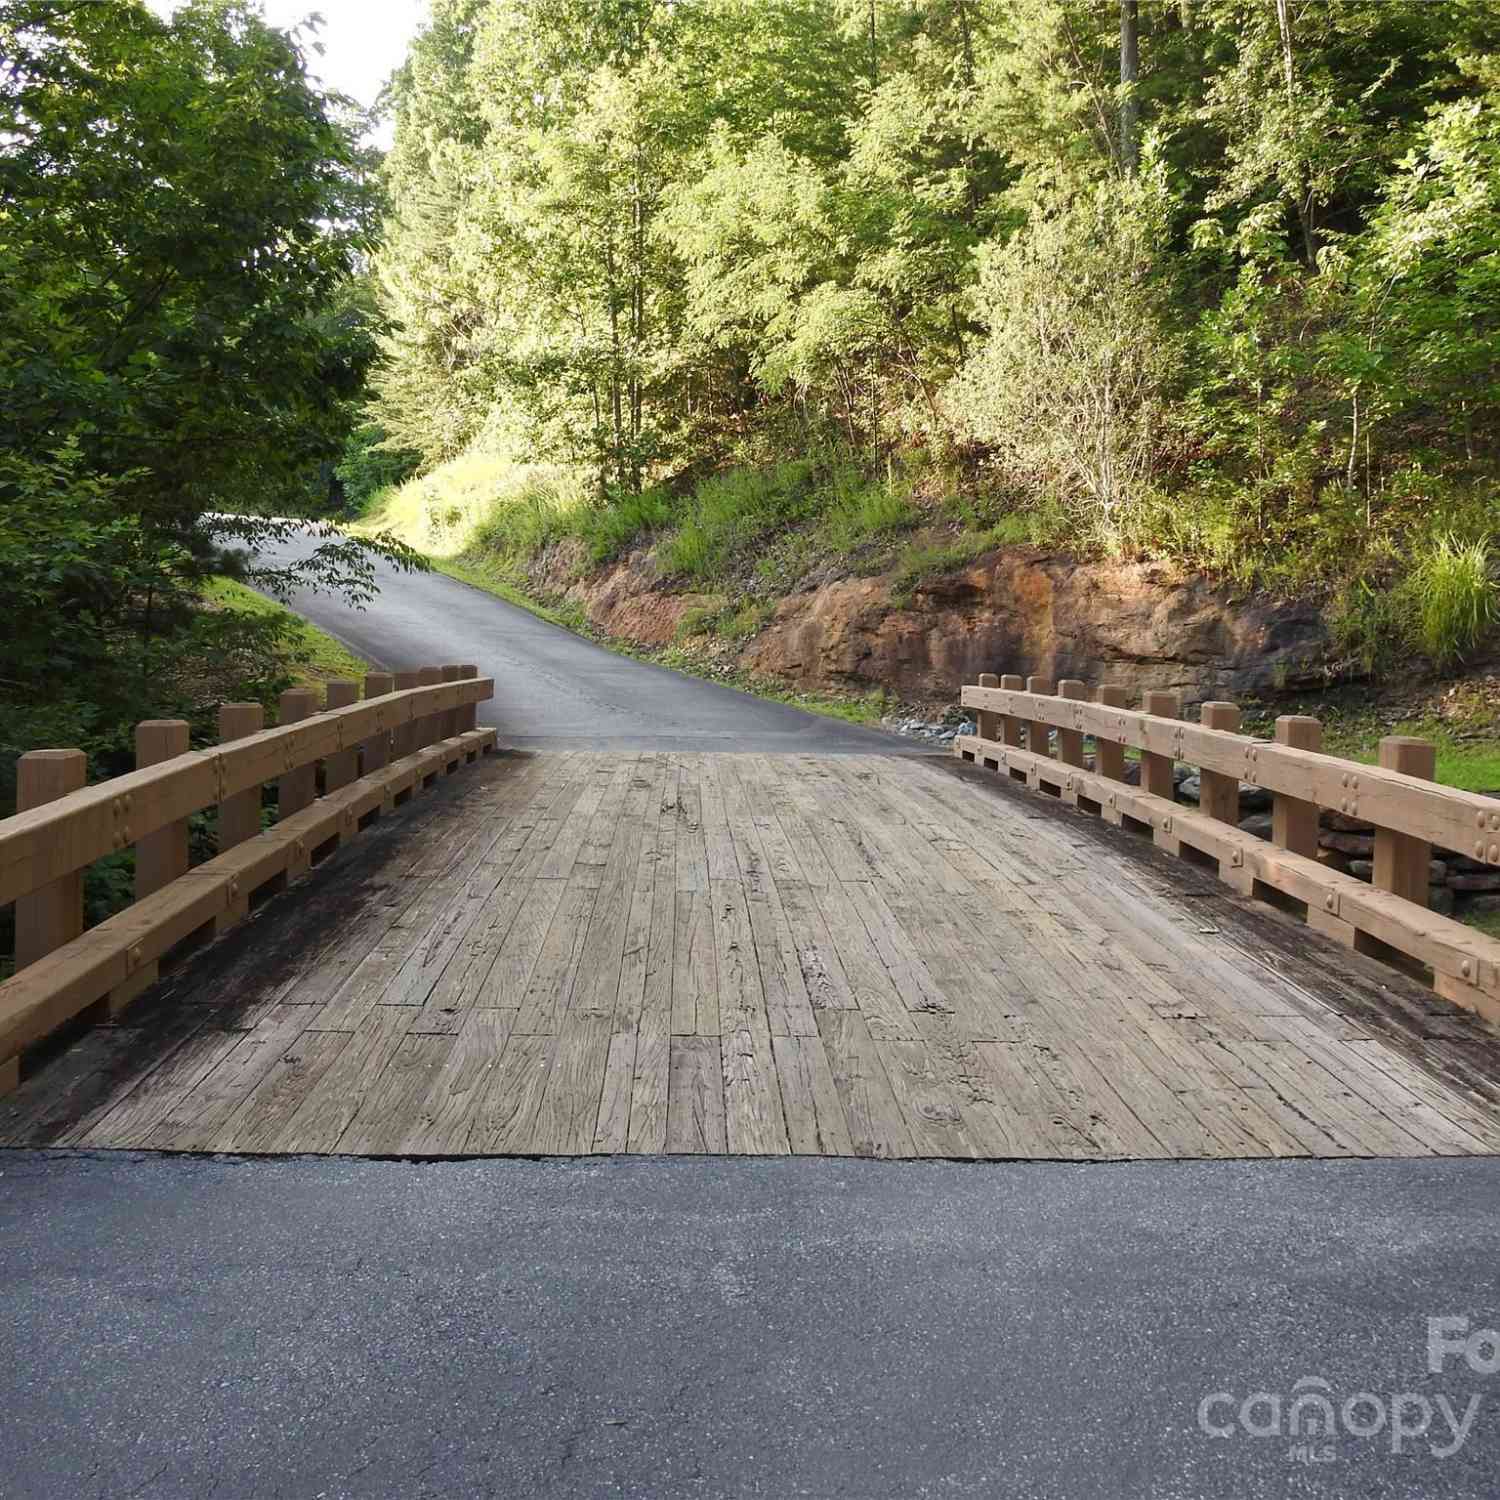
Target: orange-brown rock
1015,610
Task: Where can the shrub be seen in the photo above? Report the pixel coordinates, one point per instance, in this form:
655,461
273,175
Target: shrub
369,466
1070,387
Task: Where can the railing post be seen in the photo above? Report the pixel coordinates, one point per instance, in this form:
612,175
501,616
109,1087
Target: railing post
1070,741
1218,794
405,742
1402,863
375,752
1294,822
987,720
1156,769
1109,755
340,768
239,815
53,915
160,857
448,723
299,786
1010,725
468,715
429,726
1038,734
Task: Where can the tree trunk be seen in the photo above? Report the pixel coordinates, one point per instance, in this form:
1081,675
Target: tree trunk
1130,71
1304,204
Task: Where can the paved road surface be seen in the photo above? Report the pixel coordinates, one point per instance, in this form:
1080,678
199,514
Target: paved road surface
180,1327
712,1327
553,688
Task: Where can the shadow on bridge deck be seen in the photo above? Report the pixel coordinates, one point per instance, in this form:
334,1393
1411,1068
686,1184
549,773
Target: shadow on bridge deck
567,953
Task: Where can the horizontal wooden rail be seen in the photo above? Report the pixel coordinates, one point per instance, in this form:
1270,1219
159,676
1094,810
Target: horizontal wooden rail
1410,813
51,841
1442,815
63,971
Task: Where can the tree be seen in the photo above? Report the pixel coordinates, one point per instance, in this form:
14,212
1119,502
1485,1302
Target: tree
178,209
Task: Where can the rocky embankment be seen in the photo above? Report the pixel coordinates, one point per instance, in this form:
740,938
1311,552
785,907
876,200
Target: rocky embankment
1014,610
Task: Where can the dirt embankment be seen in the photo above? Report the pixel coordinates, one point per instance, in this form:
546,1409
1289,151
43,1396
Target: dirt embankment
1014,610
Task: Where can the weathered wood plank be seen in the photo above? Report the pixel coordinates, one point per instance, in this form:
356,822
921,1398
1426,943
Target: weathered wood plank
815,1120
695,1098
876,1124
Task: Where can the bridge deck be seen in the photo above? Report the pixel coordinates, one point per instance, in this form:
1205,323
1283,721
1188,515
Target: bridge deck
577,952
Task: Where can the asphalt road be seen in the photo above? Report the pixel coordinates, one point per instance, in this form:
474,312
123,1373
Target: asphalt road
555,689
191,1327
737,1327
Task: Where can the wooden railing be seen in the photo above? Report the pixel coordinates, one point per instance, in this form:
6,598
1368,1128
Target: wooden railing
368,756
1409,811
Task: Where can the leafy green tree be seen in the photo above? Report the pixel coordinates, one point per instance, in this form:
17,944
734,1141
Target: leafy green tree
179,208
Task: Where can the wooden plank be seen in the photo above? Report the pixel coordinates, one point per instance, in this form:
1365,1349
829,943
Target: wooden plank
691,855
446,1118
695,979
931,1110
319,1122
193,1121
876,1124
393,1105
549,990
815,1122
569,1110
874,990
258,1122
510,1097
828,986
128,1123
741,999
612,1132
753,1120
954,1057
1028,1108
653,1024
695,1098
509,977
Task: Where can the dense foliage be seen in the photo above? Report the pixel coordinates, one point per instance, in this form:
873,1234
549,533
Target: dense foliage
180,355
1240,309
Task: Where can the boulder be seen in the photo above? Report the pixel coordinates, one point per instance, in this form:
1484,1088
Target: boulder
1357,845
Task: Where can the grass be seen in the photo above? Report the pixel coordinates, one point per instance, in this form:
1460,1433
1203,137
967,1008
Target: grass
729,514
317,657
1452,597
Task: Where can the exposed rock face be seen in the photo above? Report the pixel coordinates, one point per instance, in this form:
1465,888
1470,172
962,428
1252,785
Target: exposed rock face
1028,612
1015,610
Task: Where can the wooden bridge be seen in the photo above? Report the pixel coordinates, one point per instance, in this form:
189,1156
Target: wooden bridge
884,955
